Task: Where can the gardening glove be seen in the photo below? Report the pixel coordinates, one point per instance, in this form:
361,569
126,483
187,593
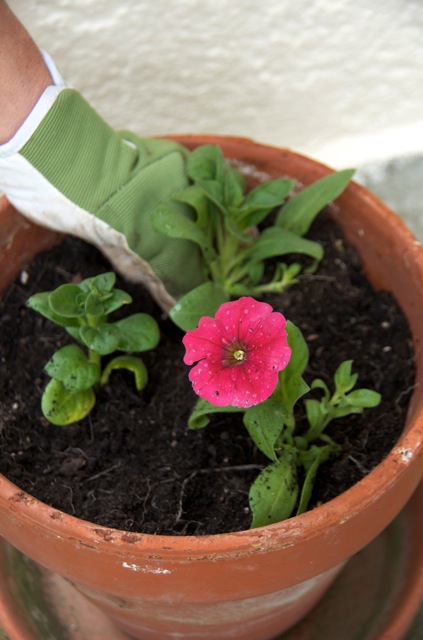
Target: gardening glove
66,169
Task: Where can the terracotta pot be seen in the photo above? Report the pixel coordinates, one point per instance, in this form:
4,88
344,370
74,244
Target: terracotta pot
249,585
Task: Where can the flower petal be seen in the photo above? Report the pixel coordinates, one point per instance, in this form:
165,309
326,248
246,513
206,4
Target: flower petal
240,386
203,342
254,386
268,347
214,384
242,316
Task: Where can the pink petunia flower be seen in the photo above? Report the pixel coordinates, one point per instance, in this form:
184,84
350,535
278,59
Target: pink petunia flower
239,353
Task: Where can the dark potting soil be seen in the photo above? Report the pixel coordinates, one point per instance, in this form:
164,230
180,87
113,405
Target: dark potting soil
133,464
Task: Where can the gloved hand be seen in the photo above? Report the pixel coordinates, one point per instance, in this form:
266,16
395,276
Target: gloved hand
66,169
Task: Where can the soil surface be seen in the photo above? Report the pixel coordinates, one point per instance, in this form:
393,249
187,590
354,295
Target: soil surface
133,464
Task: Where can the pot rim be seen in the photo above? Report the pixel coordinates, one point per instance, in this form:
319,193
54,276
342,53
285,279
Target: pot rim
404,456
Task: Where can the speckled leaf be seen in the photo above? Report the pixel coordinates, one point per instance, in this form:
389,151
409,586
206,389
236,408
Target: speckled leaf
274,493
61,407
71,366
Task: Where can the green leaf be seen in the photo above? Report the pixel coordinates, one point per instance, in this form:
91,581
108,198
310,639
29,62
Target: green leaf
205,163
260,201
299,212
256,272
171,222
252,215
94,307
195,197
101,284
343,378
103,340
64,301
104,282
61,407
270,194
40,303
299,350
201,301
315,413
363,398
316,456
264,423
291,385
320,384
343,410
231,226
130,363
288,272
221,182
233,192
72,368
199,416
139,332
293,388
117,299
275,241
213,191
274,493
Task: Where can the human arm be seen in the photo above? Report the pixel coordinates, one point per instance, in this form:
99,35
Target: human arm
23,73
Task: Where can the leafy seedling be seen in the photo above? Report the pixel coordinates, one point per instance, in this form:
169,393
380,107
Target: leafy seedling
76,373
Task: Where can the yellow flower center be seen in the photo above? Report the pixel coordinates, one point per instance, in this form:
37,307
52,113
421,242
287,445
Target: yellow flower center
234,354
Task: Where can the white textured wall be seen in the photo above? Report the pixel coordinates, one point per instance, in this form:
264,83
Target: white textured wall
336,79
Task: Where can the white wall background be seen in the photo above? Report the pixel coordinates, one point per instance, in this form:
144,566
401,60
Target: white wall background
339,80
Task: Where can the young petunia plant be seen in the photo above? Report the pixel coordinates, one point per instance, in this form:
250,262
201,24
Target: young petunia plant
83,311
237,234
250,359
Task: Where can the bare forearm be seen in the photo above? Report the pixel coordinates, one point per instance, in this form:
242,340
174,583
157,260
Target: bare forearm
23,74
